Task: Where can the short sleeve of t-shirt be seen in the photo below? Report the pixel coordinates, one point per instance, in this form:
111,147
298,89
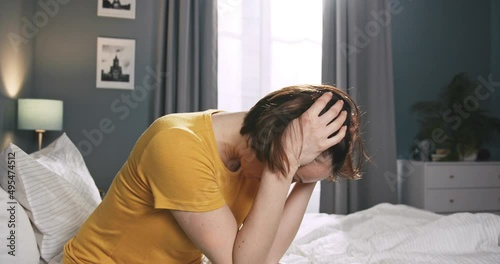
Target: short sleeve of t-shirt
178,165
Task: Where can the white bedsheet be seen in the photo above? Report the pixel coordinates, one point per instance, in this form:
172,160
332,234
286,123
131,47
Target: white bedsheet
397,234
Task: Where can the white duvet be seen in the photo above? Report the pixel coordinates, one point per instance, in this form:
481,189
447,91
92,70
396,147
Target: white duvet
397,234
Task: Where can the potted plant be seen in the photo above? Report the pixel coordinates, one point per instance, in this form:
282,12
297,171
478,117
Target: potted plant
457,120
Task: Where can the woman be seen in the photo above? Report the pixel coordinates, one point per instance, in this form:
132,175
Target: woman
217,183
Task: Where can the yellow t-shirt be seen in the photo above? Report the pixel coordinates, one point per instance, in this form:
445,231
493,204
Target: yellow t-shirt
174,165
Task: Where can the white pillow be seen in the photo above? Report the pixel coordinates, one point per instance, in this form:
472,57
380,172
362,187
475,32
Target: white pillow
57,191
21,244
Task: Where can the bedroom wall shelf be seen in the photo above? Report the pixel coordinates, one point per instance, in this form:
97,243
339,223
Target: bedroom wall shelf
448,187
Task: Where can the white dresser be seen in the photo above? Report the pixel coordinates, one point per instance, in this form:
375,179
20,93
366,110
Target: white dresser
448,187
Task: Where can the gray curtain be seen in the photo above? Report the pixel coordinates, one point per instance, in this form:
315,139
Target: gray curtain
187,56
357,57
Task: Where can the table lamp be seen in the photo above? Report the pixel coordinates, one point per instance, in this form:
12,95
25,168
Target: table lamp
39,115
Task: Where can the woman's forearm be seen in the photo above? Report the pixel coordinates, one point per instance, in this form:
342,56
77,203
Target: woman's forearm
255,238
294,210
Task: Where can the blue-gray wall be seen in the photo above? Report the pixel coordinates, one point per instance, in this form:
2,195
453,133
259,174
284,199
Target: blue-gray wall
57,60
65,69
495,67
432,42
495,52
16,69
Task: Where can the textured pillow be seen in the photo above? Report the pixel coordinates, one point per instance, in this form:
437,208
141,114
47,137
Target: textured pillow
23,247
57,191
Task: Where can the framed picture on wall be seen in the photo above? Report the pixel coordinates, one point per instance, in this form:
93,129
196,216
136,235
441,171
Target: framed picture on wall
115,63
116,8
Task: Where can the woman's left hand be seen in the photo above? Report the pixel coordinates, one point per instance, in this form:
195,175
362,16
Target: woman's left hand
307,136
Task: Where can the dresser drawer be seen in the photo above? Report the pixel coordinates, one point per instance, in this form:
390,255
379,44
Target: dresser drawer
462,176
462,200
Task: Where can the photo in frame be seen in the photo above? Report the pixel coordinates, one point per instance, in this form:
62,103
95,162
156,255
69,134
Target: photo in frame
116,8
115,63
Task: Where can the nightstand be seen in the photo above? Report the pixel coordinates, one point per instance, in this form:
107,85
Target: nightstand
448,187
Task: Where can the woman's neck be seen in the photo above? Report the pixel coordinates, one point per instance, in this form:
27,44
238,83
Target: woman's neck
232,146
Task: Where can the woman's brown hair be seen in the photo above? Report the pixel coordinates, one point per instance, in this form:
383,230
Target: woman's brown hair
266,121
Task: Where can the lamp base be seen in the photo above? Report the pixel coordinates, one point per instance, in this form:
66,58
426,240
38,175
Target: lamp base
40,135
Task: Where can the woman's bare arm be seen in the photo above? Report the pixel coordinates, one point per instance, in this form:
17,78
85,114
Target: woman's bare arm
216,234
261,225
295,207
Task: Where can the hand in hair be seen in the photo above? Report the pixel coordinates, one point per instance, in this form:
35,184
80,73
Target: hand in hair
307,136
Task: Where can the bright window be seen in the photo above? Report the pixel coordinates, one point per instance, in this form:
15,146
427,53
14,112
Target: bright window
265,45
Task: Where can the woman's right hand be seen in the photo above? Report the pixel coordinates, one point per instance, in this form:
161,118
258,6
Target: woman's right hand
307,136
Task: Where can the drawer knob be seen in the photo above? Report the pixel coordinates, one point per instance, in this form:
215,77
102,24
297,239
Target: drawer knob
452,200
452,176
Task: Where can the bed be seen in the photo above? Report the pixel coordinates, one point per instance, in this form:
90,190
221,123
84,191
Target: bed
389,233
54,193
